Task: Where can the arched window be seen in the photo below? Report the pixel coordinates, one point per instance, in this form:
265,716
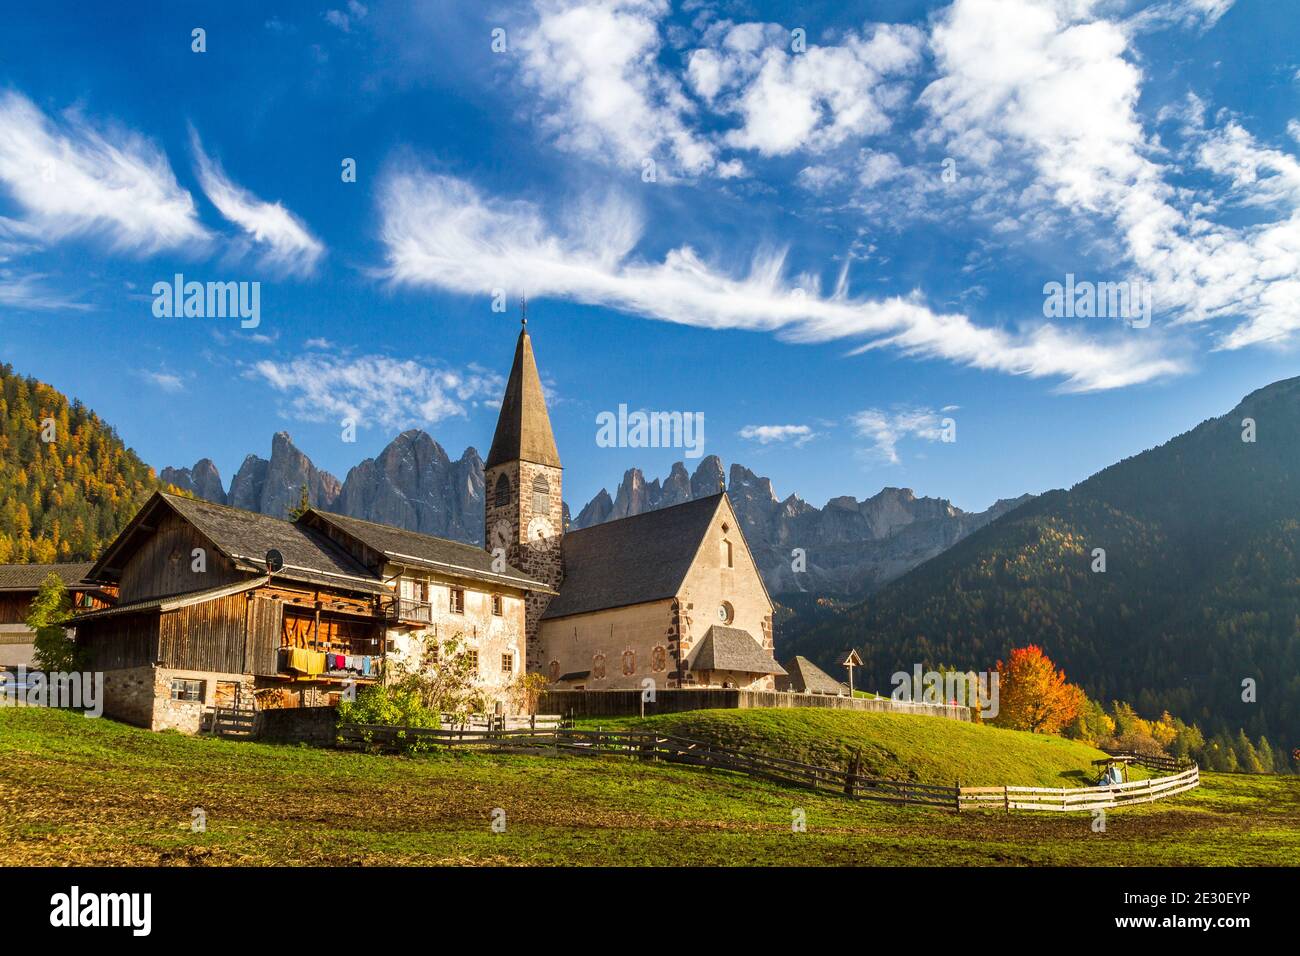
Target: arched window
541,496
502,492
629,663
598,667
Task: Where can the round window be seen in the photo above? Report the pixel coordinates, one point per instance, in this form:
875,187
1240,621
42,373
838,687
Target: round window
725,613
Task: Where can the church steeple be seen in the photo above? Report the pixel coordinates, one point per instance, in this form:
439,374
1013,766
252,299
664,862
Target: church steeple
523,507
523,427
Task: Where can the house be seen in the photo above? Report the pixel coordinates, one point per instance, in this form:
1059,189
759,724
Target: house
223,607
18,586
671,596
805,677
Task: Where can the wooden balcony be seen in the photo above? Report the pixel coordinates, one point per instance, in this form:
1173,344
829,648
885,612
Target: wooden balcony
407,611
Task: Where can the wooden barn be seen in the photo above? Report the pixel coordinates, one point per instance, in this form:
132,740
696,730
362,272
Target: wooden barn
203,621
18,586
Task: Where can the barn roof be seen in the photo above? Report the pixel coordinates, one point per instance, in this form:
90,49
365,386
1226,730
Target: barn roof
632,560
28,577
245,537
424,550
806,677
732,649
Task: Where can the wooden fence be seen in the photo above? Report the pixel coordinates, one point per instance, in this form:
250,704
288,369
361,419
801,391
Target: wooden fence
1067,799
1152,761
646,745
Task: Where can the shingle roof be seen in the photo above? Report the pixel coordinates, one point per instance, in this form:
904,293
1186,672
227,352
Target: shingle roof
631,560
523,427
412,547
245,537
806,677
28,577
731,649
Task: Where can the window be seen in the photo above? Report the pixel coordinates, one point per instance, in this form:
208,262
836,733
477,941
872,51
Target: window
507,663
541,496
191,690
726,554
598,667
457,600
555,671
502,492
496,605
726,613
659,658
473,661
629,663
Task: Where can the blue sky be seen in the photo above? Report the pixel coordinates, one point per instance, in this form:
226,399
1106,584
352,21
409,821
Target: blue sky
825,226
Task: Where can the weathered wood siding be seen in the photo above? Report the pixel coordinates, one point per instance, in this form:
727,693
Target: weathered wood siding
130,640
205,637
163,564
262,649
13,607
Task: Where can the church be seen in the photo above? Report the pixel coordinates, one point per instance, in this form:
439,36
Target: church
667,598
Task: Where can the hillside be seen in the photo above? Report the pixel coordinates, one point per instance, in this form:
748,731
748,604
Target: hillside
1201,588
62,499
95,792
895,746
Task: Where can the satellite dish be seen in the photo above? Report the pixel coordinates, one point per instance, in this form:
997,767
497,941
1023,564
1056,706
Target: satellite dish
274,561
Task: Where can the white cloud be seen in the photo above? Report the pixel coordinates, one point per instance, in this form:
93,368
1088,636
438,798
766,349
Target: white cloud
604,94
73,179
440,232
768,434
344,20
167,381
815,99
1293,129
375,389
28,291
1049,81
287,245
886,428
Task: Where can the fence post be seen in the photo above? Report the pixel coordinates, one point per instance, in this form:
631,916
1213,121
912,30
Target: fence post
1006,798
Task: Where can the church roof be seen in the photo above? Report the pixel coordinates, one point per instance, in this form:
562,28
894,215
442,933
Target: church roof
414,549
732,649
523,427
632,560
806,677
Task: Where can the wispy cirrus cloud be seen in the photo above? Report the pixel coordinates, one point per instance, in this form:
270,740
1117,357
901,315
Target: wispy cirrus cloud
375,390
441,232
778,434
286,245
72,178
885,428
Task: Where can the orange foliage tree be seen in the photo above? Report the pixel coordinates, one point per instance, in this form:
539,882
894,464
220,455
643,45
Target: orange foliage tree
1033,694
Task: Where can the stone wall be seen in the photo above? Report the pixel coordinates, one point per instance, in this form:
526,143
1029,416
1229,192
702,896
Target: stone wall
142,696
627,703
309,725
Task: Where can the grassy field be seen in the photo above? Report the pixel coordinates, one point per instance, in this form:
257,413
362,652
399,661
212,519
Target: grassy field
94,792
896,746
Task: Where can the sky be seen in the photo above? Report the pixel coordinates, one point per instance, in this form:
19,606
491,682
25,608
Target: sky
838,231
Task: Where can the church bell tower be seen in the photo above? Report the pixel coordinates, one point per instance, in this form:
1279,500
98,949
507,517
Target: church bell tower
523,509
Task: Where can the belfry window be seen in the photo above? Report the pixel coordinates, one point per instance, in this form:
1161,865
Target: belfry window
502,492
541,496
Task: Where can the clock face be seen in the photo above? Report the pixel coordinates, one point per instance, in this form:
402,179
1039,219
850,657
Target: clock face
499,537
541,533
725,613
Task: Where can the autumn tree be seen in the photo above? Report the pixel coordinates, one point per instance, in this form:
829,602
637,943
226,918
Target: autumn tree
50,611
1033,693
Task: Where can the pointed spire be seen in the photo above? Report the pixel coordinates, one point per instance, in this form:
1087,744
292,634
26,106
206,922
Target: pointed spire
523,427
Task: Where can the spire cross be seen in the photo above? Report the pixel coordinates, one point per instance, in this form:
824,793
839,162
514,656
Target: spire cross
523,309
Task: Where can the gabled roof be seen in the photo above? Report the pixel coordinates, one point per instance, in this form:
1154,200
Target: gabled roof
731,649
523,427
807,677
413,549
632,560
28,577
244,537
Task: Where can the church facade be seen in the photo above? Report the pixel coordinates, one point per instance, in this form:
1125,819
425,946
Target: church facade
668,598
